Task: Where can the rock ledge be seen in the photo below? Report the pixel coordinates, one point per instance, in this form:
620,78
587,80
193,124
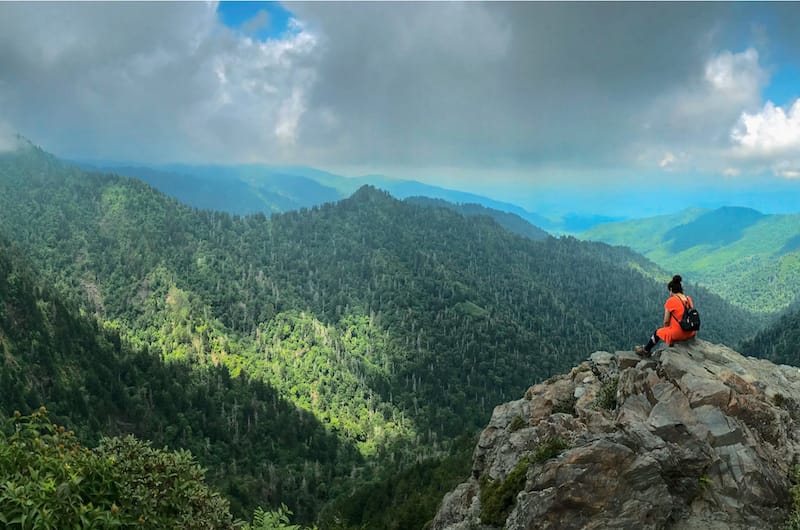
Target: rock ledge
696,437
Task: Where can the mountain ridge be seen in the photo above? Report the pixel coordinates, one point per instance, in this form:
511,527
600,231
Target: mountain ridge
749,258
396,326
251,185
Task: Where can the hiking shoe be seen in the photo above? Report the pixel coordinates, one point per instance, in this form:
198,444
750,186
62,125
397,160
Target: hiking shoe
640,351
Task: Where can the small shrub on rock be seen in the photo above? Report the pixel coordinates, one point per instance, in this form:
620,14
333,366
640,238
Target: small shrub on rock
607,396
498,496
565,407
550,448
793,523
516,424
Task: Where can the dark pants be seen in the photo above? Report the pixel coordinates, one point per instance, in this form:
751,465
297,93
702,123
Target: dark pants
652,342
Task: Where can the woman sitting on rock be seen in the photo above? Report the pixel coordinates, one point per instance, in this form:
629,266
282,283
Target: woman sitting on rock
674,307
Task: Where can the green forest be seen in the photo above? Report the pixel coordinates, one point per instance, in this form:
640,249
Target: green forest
749,258
317,358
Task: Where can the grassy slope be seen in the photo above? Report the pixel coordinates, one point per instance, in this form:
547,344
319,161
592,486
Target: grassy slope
758,271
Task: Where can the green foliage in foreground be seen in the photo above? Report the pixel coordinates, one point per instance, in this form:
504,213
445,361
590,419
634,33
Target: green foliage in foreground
49,481
275,520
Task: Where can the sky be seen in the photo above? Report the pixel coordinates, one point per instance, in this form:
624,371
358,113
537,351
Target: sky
519,101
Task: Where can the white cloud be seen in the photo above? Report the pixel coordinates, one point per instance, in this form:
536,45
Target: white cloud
81,80
789,169
793,173
736,74
702,109
731,172
289,116
694,117
769,140
772,130
667,160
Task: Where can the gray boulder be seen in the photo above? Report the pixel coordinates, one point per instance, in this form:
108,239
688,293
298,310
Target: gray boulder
698,436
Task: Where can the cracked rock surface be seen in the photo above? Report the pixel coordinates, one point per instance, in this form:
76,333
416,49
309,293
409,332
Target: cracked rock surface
700,437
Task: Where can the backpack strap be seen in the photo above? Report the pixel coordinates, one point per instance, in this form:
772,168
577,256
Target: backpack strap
683,303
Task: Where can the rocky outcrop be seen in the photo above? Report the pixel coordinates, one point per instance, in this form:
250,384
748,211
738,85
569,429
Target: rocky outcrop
696,437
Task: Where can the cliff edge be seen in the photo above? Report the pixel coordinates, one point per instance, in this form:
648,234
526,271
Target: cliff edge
696,437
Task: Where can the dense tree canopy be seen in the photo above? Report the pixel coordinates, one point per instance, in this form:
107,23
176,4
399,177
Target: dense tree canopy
349,339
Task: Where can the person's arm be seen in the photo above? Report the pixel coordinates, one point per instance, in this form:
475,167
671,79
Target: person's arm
666,317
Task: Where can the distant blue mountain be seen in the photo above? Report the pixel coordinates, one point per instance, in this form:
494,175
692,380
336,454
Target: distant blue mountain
246,189
235,189
716,228
402,189
511,222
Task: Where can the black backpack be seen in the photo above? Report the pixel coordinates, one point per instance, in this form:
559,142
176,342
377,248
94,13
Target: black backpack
691,318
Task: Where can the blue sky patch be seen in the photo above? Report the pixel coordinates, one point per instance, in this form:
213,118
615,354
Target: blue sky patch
259,20
784,86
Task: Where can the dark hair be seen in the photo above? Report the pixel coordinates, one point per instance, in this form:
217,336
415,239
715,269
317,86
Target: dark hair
675,285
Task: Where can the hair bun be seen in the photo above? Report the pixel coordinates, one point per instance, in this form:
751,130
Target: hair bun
677,278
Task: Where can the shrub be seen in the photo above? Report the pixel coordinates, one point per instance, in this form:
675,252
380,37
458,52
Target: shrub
607,396
566,406
516,424
275,520
793,522
550,448
49,481
498,496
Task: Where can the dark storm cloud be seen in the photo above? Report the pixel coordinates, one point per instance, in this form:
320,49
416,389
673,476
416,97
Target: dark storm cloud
144,81
515,87
521,81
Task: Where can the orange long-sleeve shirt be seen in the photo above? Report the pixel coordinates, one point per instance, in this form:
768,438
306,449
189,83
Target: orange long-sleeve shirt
673,332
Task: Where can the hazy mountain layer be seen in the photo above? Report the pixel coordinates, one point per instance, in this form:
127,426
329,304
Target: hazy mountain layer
750,259
510,221
247,189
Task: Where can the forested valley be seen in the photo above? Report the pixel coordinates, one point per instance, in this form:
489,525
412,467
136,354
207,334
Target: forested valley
316,358
780,341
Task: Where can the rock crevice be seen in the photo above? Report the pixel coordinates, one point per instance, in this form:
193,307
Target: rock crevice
698,436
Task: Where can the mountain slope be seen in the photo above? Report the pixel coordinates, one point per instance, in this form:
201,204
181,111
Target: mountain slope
511,222
445,288
397,326
698,436
750,259
247,189
235,189
779,342
93,381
